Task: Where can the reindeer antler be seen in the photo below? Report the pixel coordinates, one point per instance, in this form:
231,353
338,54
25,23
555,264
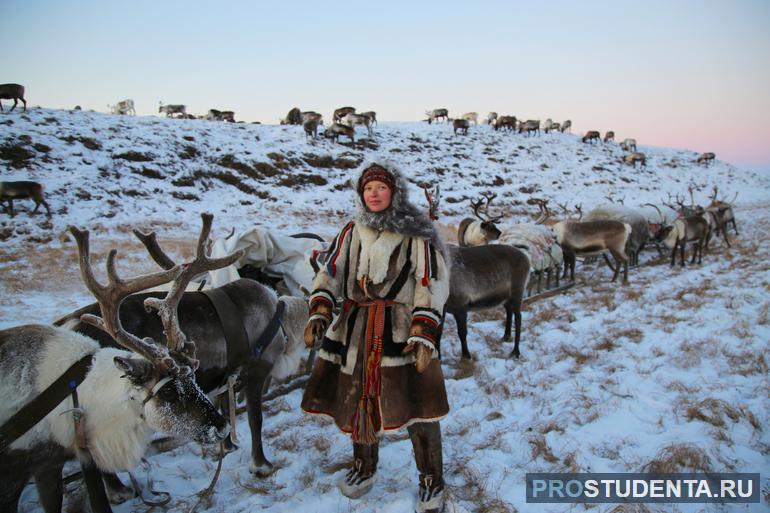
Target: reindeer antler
489,198
111,296
433,197
183,349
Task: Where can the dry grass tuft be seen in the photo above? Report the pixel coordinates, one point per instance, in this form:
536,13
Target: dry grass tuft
606,344
465,368
565,351
711,411
476,490
551,425
679,386
540,448
679,458
633,334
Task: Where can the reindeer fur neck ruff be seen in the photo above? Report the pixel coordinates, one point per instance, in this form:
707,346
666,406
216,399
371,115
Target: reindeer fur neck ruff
401,216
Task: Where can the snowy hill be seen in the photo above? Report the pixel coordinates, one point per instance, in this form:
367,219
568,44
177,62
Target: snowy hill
669,372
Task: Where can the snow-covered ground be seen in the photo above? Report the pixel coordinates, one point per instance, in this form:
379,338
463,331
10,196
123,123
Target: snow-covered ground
668,373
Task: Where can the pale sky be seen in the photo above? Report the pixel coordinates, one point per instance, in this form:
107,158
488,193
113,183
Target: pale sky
680,73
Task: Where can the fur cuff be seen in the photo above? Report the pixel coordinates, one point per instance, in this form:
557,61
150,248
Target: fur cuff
424,341
425,325
321,305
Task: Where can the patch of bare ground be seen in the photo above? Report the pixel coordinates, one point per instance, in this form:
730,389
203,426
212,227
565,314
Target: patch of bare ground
476,489
678,458
581,357
539,448
713,411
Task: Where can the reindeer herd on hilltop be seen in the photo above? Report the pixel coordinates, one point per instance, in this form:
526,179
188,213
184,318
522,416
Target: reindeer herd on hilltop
100,381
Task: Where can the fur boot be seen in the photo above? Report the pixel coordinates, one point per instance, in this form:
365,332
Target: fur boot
362,475
426,441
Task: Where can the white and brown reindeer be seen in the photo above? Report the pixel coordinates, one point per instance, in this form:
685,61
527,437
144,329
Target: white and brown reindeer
592,135
236,335
112,400
590,237
530,126
692,225
640,230
341,113
436,114
634,157
172,110
628,144
706,158
473,232
566,126
722,213
471,116
609,136
352,120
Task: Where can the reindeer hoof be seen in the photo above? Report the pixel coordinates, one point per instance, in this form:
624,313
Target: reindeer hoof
514,354
261,470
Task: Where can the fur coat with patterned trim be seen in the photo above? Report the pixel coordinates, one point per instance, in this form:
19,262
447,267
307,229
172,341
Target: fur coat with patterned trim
395,255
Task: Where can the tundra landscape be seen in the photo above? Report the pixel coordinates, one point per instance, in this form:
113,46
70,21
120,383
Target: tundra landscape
667,373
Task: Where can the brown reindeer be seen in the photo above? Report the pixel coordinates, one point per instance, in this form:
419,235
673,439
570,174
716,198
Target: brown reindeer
462,125
10,191
505,122
609,136
585,237
13,92
633,158
592,135
675,236
335,130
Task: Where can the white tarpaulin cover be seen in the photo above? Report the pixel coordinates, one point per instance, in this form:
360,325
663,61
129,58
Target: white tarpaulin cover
276,254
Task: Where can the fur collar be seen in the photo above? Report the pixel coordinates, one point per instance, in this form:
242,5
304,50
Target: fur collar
376,249
402,216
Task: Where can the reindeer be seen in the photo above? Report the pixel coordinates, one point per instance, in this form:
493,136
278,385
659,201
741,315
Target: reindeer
124,107
10,191
491,118
336,130
529,126
114,417
609,136
633,158
170,110
484,277
592,135
691,225
683,230
471,116
341,113
505,122
221,115
567,125
555,127
586,237
13,92
546,125
372,117
294,117
640,229
231,325
462,125
628,145
476,233
723,213
312,115
706,158
351,119
311,128
435,114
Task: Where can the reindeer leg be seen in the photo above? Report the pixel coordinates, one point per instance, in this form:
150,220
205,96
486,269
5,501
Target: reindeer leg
508,321
461,319
49,488
616,269
673,254
682,249
256,374
735,227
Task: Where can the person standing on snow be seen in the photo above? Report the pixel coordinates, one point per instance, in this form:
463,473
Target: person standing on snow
378,367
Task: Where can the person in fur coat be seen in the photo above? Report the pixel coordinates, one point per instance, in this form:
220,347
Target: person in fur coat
378,366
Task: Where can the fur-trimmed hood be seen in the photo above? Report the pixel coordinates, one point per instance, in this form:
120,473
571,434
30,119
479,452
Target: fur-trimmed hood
402,216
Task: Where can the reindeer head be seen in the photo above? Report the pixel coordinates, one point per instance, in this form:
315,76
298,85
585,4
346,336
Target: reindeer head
163,374
488,222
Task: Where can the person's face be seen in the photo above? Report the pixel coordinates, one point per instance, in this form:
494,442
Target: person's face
377,196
